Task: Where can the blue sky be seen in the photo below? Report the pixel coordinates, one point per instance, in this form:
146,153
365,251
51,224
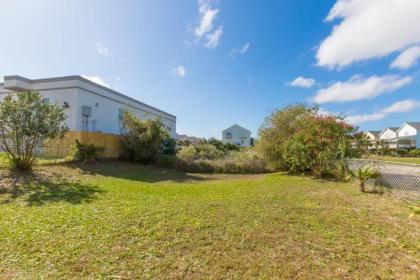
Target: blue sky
216,63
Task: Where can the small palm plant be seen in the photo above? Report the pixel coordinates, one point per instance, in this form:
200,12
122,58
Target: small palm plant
363,174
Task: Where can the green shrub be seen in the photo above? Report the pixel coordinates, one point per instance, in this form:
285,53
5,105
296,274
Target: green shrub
208,151
414,153
201,151
143,141
86,153
168,147
188,153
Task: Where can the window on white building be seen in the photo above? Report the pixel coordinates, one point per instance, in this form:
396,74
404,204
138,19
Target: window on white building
85,123
120,113
229,135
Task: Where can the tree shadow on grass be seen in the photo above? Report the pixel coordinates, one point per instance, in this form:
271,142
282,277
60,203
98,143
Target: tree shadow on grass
138,172
36,189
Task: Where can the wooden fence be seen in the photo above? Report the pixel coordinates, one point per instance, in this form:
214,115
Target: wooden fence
62,147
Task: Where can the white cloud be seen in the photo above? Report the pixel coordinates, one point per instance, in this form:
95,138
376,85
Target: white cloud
96,79
369,29
398,107
180,71
402,106
302,82
407,58
358,88
207,16
242,50
206,27
213,39
357,119
102,50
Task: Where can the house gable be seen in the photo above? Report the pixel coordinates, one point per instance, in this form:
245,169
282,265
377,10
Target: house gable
408,129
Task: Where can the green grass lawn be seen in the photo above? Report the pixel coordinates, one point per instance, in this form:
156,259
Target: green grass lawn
120,221
411,160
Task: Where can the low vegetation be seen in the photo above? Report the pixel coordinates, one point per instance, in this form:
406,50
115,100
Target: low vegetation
246,161
119,220
86,153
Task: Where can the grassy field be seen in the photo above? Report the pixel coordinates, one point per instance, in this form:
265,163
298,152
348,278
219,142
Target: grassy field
122,221
411,160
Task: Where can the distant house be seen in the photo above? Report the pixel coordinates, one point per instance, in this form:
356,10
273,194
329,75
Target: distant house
373,137
388,133
409,135
409,129
405,137
237,135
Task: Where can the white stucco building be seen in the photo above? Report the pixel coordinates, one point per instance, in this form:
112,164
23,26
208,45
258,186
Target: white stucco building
237,135
88,106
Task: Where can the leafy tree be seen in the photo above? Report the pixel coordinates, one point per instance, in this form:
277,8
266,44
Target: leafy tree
143,140
218,144
277,130
297,139
25,122
360,144
182,143
224,147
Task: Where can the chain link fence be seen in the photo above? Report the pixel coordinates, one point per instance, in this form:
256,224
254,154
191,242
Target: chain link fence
401,180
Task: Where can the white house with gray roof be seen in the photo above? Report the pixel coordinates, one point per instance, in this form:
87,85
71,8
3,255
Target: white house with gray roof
88,105
388,133
237,135
409,134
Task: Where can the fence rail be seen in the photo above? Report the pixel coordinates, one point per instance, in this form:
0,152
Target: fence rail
401,180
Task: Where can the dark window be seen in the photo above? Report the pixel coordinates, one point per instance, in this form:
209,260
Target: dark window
85,123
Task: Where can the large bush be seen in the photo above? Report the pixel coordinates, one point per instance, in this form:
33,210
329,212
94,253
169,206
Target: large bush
297,139
143,141
25,122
